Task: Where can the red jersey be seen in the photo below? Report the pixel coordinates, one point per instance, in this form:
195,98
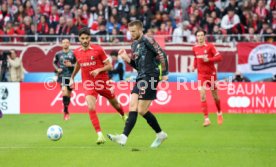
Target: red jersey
209,50
91,59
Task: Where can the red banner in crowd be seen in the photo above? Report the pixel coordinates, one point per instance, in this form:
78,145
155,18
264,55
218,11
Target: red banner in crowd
257,57
171,98
39,58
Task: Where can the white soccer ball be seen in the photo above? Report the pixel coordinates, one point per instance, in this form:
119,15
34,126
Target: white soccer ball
54,132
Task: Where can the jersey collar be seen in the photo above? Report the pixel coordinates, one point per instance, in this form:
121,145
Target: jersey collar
197,45
90,48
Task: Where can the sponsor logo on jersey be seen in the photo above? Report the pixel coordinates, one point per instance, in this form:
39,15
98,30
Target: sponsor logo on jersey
86,64
201,56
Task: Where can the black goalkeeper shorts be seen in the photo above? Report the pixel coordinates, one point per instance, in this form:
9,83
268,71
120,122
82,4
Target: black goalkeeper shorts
146,88
64,81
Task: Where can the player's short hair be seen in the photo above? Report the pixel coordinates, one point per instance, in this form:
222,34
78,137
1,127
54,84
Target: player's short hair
84,30
200,30
13,50
65,39
114,53
137,23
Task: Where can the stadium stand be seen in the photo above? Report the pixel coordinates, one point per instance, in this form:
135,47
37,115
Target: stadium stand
24,18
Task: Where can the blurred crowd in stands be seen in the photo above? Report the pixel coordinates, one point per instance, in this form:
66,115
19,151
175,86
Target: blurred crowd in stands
177,20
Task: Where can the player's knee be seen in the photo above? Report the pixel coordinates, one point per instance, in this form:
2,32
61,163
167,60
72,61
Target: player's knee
63,92
91,107
133,106
142,111
215,95
203,97
200,88
216,98
114,102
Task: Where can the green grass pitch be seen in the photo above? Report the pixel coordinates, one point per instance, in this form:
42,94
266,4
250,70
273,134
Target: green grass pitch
242,141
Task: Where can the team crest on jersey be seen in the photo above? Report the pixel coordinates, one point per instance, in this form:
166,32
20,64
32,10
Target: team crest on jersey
92,57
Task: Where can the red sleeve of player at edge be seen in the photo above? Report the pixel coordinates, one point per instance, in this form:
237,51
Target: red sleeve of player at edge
103,55
216,55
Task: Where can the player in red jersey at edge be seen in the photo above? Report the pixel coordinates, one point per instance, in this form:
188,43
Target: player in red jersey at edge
94,64
206,56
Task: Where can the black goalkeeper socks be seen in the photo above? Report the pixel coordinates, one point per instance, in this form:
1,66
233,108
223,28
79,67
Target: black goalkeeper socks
130,122
152,121
66,102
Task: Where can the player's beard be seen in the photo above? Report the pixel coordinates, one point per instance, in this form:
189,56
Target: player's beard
85,44
137,37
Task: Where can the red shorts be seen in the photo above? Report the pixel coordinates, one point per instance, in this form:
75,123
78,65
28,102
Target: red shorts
207,81
104,88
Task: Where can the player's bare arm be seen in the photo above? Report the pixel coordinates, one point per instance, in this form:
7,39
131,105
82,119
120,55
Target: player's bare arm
165,78
192,68
67,63
123,54
107,67
76,70
55,64
193,65
205,58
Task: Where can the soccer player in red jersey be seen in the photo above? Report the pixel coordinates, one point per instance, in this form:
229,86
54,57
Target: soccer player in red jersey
206,56
94,64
